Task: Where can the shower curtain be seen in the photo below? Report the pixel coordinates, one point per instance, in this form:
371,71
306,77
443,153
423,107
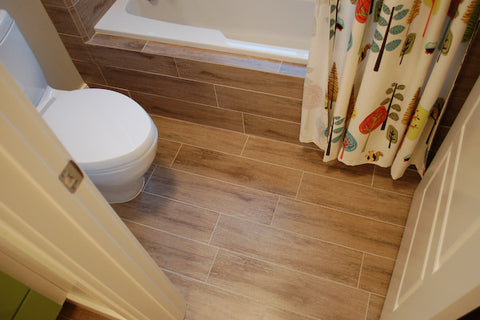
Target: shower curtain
378,77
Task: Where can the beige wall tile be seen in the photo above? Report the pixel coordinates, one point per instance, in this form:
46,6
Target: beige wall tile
238,170
90,12
199,135
187,111
171,216
376,274
259,103
213,194
76,48
89,71
337,227
288,249
117,42
63,21
218,57
242,78
272,128
160,85
206,302
185,256
305,158
353,198
133,60
288,289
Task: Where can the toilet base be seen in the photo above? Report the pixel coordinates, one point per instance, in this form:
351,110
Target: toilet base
123,193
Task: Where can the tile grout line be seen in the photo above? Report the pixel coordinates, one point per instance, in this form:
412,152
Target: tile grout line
149,177
216,98
368,305
214,228
243,122
235,293
213,263
273,213
244,145
176,67
299,184
360,272
175,157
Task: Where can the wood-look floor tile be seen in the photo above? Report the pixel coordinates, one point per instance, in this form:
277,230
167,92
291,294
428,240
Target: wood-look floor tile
406,184
334,226
287,249
188,111
271,128
206,302
213,194
106,40
375,307
287,289
374,203
166,151
259,103
169,215
238,170
376,274
160,85
205,55
187,257
307,159
133,60
273,83
199,135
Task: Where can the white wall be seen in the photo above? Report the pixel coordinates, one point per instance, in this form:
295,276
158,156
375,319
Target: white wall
42,37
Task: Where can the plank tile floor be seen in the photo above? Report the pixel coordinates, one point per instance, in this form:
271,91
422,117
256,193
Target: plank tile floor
249,228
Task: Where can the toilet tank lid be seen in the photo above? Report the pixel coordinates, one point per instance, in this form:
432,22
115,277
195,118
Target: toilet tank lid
100,128
5,23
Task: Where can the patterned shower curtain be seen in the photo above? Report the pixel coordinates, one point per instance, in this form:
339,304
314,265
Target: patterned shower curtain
378,77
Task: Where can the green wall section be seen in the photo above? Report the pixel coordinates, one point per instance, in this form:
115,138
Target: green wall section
18,302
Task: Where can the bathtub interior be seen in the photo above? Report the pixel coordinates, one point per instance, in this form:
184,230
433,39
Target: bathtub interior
279,29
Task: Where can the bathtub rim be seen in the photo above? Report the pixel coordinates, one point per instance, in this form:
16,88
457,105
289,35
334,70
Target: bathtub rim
112,23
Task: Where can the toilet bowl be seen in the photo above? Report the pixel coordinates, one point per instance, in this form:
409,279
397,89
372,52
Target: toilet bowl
109,135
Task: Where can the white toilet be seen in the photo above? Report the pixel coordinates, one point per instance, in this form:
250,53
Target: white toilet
109,135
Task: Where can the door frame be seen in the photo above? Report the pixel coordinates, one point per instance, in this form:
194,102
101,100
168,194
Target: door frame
73,241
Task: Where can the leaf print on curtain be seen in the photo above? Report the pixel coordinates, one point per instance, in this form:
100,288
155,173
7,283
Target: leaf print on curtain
389,51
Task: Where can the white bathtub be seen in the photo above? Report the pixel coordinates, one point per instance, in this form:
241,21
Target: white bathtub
278,29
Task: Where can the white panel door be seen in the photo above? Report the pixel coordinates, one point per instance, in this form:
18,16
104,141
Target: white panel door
437,274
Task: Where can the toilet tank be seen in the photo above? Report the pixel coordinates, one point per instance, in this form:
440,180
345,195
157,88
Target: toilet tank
19,60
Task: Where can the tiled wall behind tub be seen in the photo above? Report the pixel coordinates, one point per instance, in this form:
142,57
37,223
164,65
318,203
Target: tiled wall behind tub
246,94
255,96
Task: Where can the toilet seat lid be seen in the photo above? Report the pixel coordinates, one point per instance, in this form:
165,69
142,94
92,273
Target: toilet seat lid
100,128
